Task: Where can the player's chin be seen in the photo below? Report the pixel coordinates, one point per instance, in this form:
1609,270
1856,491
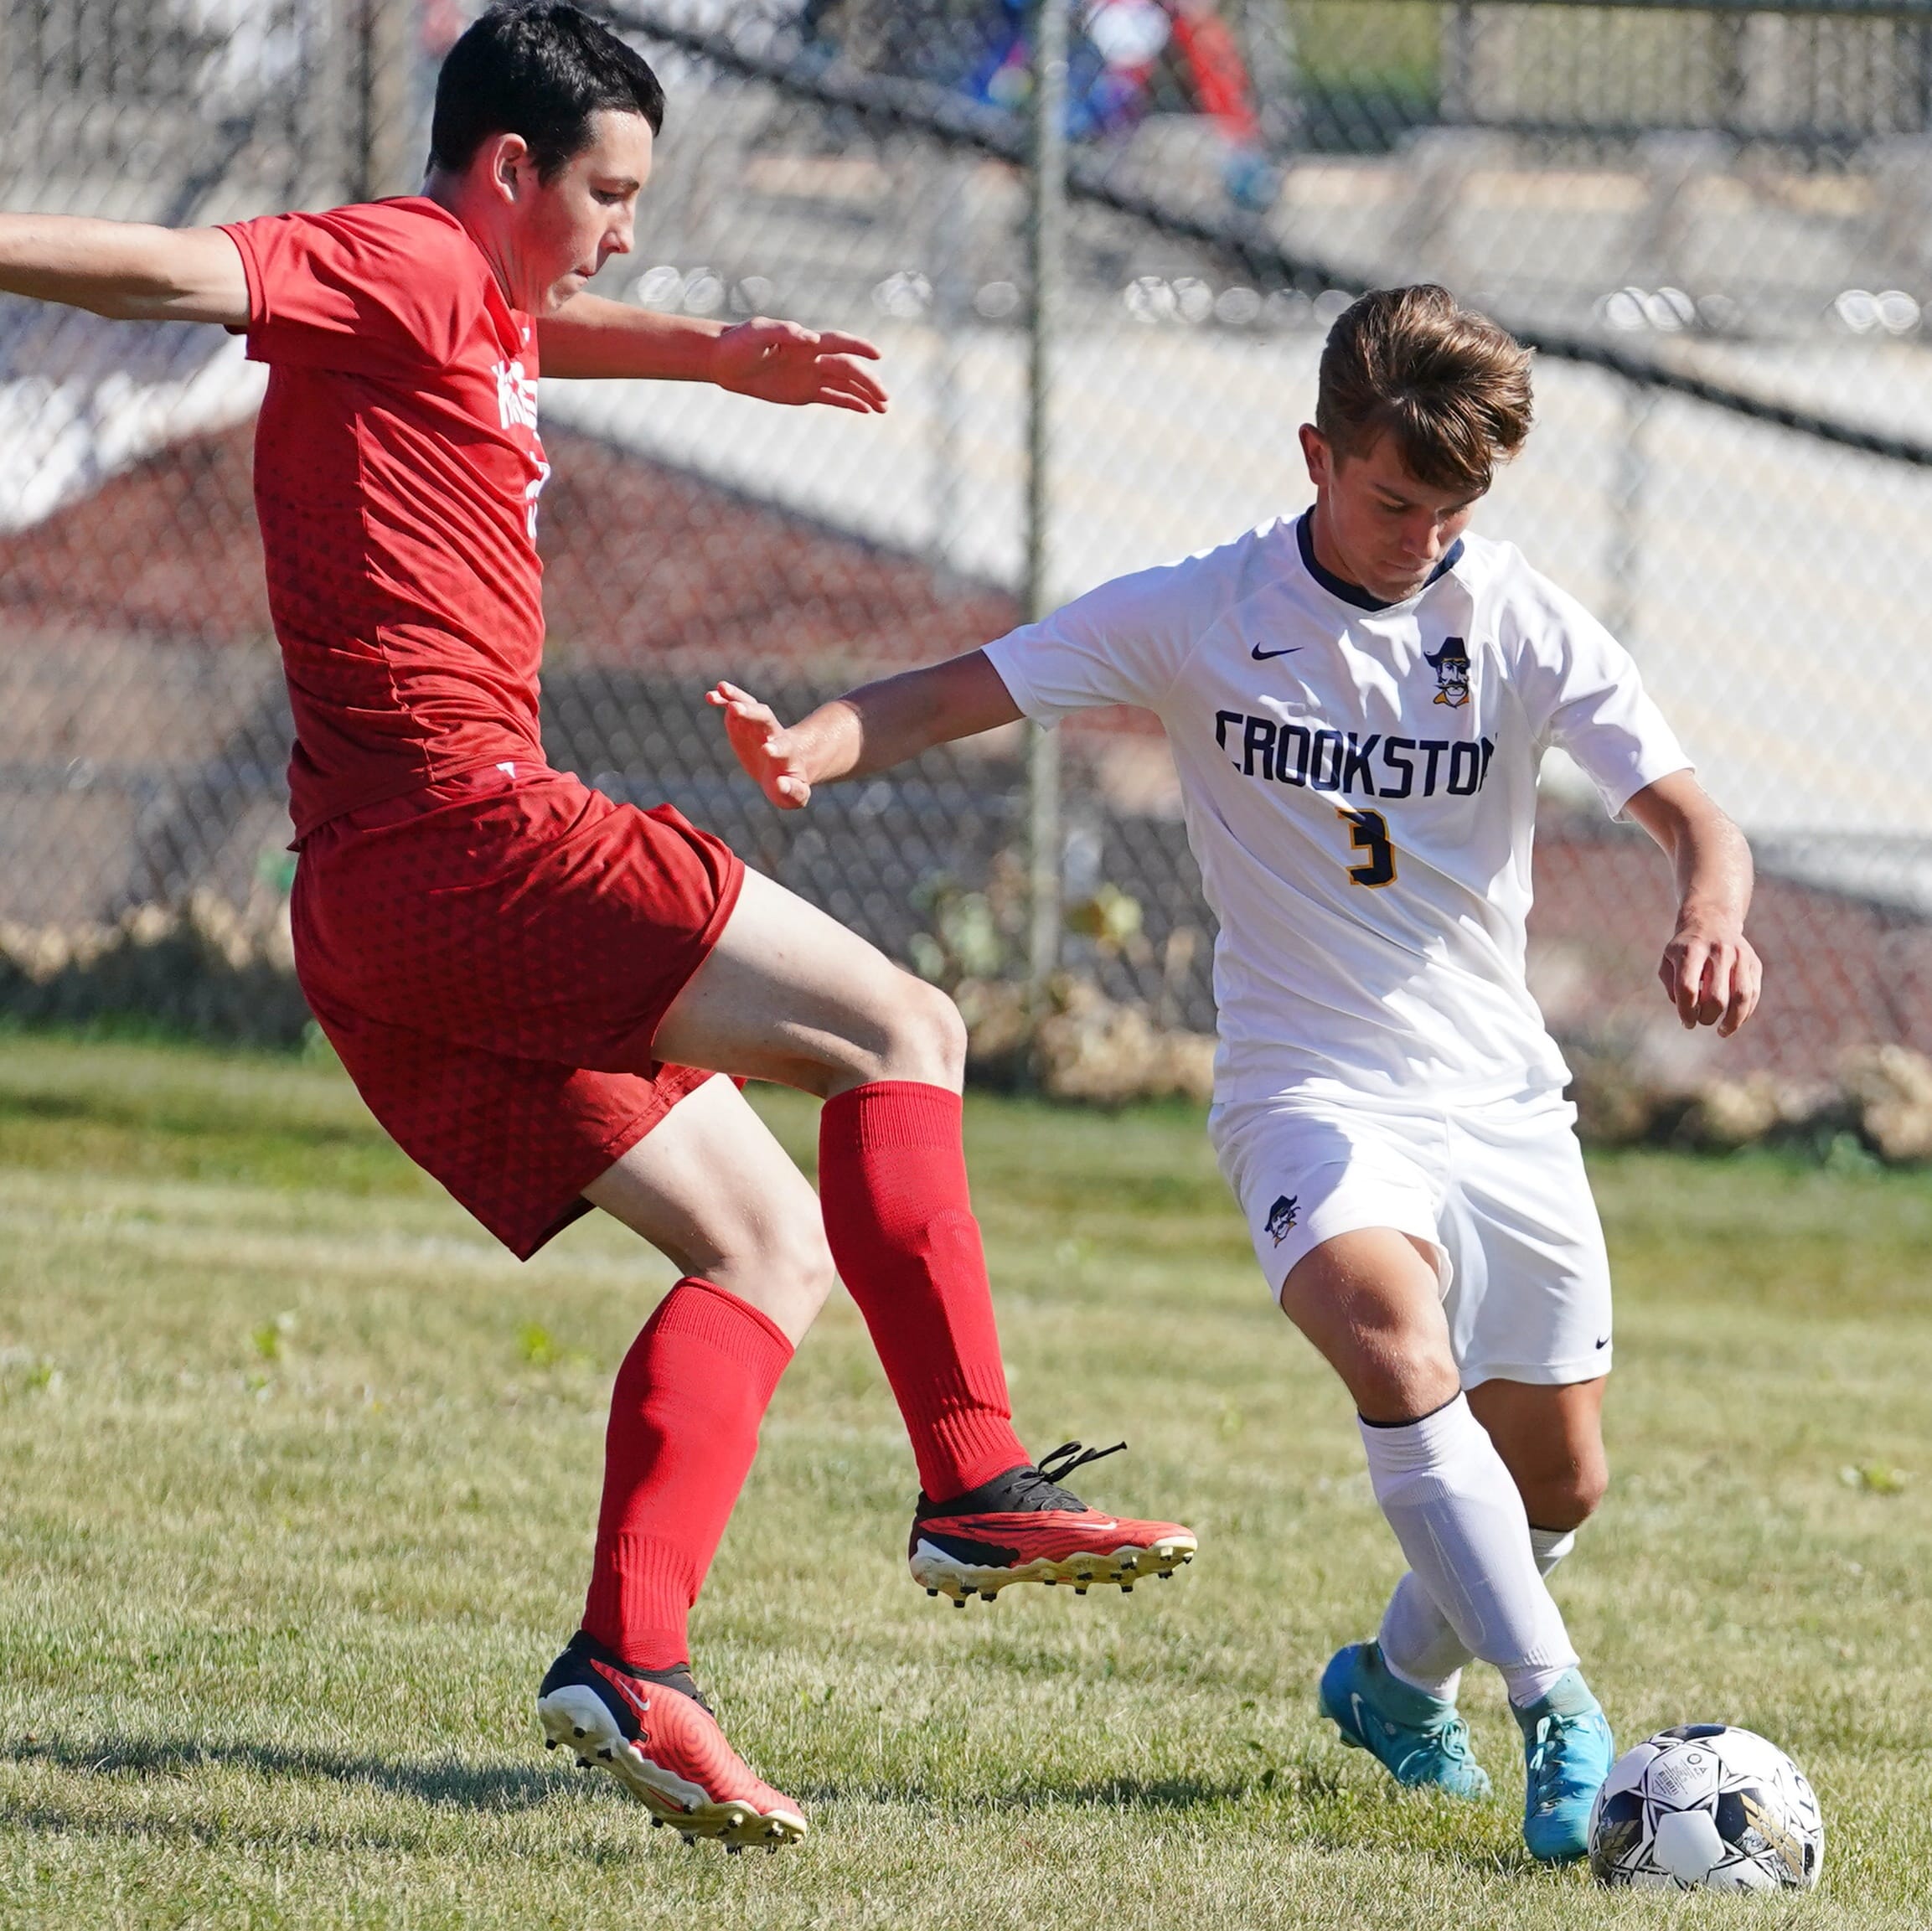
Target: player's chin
1399,586
565,290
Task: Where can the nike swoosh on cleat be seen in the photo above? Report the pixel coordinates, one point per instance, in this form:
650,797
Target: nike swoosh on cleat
641,1704
1261,656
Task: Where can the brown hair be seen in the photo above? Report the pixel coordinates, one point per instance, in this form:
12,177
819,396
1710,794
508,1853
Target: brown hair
1452,387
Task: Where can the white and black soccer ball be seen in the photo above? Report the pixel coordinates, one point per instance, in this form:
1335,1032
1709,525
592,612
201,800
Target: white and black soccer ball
1706,1807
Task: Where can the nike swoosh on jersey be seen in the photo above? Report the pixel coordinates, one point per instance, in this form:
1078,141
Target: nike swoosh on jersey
1261,656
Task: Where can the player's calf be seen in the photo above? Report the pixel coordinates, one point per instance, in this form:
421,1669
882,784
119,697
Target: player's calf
1550,1439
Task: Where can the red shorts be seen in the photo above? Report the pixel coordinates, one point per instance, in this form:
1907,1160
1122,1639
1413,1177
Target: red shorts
492,956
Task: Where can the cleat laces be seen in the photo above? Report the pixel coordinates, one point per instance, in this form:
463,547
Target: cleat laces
1033,1489
1548,1763
1070,1455
1446,1743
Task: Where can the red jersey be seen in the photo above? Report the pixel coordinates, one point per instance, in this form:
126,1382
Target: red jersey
397,468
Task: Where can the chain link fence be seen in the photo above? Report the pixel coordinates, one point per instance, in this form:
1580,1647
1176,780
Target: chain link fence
1715,223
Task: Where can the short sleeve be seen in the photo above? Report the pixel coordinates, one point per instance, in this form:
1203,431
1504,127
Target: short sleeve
1585,694
1124,643
378,289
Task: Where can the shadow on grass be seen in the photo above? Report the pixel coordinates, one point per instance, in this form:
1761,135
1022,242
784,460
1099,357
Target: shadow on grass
464,1786
1305,1803
143,1764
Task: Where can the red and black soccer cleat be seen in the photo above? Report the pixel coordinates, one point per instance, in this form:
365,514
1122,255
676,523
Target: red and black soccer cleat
1022,1527
657,1734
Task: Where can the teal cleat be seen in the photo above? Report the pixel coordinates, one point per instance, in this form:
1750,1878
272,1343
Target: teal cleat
1568,1750
1418,1737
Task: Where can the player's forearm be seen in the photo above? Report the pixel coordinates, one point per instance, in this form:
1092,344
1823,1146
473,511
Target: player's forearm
1715,874
884,724
127,270
591,336
1708,853
868,729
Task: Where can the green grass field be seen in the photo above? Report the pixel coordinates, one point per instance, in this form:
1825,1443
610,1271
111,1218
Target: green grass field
300,1473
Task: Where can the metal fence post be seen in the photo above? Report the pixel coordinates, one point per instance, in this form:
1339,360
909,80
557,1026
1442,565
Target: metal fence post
1045,244
1459,51
387,163
951,304
1630,485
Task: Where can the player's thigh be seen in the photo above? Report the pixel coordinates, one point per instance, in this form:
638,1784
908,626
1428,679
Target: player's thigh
1531,1295
787,994
1370,1302
711,1188
1550,1439
1341,1206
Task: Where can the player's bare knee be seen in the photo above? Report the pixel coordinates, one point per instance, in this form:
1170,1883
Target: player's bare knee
781,1263
1588,1487
807,1265
1566,1498
789,1246
927,1036
1398,1378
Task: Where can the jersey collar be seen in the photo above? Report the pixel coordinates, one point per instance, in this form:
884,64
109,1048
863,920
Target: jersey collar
1353,592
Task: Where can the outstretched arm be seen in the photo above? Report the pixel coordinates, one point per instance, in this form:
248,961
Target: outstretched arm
870,729
127,270
775,361
1709,968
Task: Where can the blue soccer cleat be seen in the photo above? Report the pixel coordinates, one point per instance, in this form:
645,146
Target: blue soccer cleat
1568,1750
1418,1738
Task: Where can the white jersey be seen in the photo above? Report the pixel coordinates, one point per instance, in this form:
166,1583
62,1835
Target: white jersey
1360,785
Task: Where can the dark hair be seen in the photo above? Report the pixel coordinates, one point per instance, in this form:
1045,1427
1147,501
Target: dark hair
539,68
1449,384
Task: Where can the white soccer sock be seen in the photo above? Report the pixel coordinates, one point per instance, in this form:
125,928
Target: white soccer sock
1461,1522
1417,1642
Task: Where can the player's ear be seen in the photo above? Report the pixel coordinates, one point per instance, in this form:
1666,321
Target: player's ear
1316,454
511,169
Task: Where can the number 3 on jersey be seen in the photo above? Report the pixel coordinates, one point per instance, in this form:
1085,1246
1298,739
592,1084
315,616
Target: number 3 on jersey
1368,832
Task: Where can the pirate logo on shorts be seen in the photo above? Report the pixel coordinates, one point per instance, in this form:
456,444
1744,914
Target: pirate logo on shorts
1451,666
1281,1217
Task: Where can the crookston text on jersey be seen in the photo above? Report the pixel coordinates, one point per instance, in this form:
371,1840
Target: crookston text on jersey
1325,758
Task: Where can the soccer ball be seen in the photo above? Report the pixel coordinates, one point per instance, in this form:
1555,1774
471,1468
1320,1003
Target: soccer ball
1706,1807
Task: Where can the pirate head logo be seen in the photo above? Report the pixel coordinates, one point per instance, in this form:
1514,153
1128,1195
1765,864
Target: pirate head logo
1281,1217
1451,666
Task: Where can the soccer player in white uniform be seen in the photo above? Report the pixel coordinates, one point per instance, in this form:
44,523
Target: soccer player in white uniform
1358,701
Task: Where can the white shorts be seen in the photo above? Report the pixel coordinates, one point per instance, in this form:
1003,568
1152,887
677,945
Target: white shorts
1499,1191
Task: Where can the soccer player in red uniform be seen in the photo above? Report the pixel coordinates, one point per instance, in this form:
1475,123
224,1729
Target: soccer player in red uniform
532,986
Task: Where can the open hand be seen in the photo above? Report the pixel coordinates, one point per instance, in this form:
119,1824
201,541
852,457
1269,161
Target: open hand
1713,976
765,749
781,362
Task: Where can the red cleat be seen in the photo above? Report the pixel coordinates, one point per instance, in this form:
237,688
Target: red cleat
1022,1527
653,1732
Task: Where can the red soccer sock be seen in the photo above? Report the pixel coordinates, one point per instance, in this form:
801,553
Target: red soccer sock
892,1183
683,1428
